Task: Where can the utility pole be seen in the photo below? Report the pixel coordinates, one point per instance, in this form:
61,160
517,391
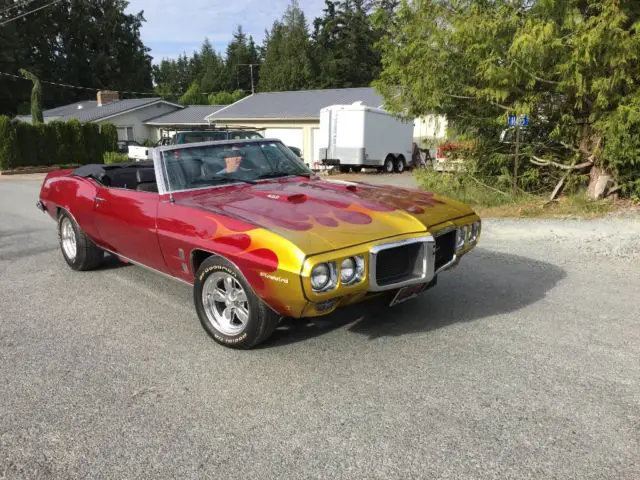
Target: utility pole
517,121
515,164
250,65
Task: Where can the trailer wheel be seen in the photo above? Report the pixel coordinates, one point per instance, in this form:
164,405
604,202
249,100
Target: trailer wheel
389,164
401,164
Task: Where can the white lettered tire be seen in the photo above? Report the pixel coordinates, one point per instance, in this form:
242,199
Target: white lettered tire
229,310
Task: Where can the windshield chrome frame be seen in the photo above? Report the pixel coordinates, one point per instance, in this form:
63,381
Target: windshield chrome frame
162,175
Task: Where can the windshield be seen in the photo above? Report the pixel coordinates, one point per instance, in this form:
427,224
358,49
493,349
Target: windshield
210,165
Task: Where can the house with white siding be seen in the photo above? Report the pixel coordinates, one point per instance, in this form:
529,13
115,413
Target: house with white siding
128,115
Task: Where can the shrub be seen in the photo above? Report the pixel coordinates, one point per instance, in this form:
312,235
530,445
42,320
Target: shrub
55,143
109,134
59,133
74,144
93,143
27,141
7,143
47,144
463,187
115,157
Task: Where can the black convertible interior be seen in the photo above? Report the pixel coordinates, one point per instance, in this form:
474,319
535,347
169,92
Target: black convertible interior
138,176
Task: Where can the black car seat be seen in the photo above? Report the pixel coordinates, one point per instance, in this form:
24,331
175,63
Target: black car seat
146,180
124,177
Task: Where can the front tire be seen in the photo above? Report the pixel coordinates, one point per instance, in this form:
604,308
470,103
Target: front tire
78,250
229,310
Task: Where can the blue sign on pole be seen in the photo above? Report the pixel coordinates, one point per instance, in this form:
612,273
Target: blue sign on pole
521,120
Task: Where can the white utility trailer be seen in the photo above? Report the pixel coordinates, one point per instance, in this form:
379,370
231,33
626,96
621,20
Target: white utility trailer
357,136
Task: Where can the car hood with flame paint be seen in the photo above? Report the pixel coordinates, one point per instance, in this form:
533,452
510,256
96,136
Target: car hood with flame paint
319,215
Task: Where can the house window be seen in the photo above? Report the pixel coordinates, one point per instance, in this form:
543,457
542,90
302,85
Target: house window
125,133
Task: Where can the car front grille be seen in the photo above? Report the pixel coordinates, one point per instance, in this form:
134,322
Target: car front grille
398,264
445,248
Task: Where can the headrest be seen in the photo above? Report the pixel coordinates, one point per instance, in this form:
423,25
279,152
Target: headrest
145,175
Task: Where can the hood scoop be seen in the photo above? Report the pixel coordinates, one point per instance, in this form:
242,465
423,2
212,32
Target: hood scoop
297,198
284,197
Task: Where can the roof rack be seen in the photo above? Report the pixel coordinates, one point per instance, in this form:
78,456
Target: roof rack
214,128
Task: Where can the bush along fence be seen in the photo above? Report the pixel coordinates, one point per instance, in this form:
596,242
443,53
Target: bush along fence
54,143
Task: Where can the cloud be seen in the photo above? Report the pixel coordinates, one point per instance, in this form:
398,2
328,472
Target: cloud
173,27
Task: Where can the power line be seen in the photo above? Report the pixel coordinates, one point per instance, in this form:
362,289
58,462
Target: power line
93,89
78,87
29,12
16,5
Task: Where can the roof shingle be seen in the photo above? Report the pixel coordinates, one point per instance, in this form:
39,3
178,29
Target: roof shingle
303,104
190,115
89,111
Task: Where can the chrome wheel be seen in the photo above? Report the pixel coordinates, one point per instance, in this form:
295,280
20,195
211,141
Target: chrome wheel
68,238
225,303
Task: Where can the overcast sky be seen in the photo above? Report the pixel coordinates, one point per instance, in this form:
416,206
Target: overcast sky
176,26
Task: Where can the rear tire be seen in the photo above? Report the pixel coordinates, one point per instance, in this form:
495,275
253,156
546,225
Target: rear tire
389,164
229,310
400,164
78,250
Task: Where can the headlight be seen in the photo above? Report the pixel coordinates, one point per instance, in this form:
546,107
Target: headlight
475,232
323,277
352,270
461,236
348,270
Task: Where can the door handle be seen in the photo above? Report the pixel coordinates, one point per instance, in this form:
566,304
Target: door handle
99,200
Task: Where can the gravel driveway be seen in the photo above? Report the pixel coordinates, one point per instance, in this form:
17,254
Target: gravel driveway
524,362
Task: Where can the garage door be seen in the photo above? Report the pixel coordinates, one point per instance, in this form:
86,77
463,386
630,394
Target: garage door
291,137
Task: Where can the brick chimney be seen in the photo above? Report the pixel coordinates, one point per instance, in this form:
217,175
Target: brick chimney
107,96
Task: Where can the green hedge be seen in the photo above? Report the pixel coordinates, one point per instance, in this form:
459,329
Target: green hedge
109,137
54,143
7,143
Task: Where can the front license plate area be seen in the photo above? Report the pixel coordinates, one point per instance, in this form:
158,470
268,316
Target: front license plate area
407,293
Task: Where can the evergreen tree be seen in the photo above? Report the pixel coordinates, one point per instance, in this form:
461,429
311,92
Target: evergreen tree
36,97
213,73
286,53
343,45
241,52
94,44
571,65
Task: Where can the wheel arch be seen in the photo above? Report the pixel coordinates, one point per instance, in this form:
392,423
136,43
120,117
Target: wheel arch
198,256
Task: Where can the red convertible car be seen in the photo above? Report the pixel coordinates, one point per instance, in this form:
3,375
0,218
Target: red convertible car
257,234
